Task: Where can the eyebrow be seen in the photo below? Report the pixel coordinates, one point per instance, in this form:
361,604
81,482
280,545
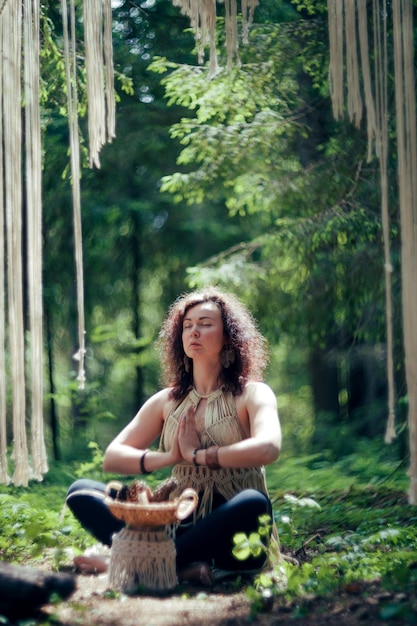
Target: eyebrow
202,317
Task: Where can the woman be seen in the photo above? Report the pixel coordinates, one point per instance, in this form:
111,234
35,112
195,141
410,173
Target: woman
218,426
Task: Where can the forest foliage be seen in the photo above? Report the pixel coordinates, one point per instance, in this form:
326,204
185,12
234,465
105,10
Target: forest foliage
245,180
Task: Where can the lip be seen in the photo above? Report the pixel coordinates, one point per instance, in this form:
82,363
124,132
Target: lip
194,344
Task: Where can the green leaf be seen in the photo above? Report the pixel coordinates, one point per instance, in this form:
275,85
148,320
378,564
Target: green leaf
239,538
242,552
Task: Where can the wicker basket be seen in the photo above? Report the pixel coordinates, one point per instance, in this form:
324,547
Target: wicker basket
138,515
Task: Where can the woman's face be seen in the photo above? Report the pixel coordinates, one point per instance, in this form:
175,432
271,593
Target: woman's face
202,331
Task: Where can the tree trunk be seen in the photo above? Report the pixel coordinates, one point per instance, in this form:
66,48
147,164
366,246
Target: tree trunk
54,417
136,291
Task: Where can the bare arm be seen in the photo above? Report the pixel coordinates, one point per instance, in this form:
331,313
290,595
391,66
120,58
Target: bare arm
124,453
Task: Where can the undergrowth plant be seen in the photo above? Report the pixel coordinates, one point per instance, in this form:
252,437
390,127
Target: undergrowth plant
318,560
31,528
332,535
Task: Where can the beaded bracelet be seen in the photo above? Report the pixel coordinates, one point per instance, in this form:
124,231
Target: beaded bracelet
195,457
143,470
212,458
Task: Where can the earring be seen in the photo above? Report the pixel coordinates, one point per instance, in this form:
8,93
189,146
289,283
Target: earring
227,356
187,362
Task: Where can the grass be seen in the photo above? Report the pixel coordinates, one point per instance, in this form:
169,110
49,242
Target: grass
364,490
345,520
362,494
372,463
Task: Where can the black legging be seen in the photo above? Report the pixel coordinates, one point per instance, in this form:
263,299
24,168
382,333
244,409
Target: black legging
211,539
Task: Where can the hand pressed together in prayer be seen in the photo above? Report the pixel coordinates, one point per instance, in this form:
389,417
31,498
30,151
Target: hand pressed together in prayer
188,438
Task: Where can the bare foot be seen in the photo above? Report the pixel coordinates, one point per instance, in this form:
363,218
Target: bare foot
91,564
197,572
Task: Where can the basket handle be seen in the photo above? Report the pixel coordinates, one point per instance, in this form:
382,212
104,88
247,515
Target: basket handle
113,484
186,504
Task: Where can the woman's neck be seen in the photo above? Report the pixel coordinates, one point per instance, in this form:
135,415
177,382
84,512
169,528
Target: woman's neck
206,380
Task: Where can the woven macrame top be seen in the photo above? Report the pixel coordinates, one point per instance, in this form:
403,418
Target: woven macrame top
221,428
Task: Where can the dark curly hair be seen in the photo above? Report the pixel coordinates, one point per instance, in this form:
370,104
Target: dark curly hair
241,333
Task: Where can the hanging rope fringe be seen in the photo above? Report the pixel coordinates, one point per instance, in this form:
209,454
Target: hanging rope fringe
407,174
34,230
335,19
354,100
232,44
376,107
203,16
367,77
101,117
12,136
4,476
142,557
72,99
99,65
101,126
348,25
109,67
248,10
380,111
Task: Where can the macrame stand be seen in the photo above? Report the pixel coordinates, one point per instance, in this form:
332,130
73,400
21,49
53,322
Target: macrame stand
143,557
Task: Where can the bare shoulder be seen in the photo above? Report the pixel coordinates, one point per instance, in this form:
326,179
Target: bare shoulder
160,402
255,396
258,392
163,395
256,404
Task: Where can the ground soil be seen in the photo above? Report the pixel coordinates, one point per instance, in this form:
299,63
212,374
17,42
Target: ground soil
223,605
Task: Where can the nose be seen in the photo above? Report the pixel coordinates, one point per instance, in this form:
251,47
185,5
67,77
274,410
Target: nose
194,331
